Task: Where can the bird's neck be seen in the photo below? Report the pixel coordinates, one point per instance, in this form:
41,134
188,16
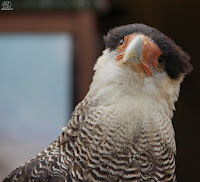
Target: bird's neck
138,104
132,91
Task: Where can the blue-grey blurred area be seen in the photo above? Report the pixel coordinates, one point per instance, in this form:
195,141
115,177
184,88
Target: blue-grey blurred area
36,85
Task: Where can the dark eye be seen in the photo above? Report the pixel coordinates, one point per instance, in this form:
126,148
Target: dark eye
121,41
161,60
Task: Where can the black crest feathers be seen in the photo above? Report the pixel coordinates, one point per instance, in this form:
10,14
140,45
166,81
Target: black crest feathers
177,61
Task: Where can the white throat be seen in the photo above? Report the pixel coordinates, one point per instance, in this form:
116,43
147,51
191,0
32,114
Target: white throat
114,84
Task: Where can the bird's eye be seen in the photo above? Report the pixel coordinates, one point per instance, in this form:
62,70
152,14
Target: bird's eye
121,41
161,60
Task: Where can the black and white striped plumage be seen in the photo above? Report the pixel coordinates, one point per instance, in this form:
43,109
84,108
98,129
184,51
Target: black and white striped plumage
122,130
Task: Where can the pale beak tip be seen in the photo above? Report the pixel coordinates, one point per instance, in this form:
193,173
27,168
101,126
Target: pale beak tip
134,50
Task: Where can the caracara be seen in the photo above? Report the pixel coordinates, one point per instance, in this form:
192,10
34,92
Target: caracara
122,130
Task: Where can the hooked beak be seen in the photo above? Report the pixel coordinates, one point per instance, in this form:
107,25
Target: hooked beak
133,52
140,52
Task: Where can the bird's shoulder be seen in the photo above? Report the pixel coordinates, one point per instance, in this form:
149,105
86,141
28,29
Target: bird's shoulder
53,163
48,164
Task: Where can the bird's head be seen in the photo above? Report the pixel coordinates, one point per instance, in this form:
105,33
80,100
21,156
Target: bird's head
140,56
147,51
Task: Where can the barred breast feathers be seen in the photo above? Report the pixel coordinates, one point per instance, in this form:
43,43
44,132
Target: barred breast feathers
117,128
122,130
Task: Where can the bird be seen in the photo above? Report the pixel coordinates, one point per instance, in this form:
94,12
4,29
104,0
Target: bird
122,130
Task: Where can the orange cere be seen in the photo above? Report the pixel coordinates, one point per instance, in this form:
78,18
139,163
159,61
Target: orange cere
150,53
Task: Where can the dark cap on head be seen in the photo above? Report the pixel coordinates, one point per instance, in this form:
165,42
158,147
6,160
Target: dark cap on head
177,61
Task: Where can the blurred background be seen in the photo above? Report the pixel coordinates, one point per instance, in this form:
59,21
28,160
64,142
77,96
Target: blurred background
47,52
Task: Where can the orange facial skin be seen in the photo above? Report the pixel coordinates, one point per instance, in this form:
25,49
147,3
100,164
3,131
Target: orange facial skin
149,58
